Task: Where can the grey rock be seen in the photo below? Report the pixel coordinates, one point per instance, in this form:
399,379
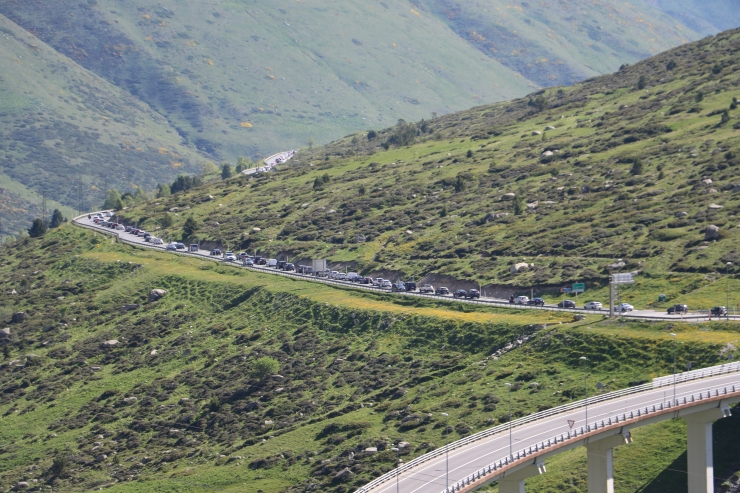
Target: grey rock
108,344
344,475
131,306
22,485
371,450
157,294
536,132
128,401
492,216
508,196
681,214
100,457
579,317
5,333
549,127
711,233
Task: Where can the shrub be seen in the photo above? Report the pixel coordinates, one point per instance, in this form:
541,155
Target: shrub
37,229
264,367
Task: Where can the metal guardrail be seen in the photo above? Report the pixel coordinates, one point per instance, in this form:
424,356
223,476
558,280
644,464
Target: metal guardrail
618,419
657,383
377,289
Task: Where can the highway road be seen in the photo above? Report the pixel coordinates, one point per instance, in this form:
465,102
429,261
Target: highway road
500,303
431,476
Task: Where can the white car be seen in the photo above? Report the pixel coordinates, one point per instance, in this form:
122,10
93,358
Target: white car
229,257
386,284
342,276
593,305
427,288
156,241
521,300
624,307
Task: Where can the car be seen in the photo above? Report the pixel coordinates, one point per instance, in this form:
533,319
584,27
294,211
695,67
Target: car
352,276
170,246
443,291
156,241
678,309
718,311
386,284
624,307
473,293
289,267
281,264
229,257
272,262
521,300
427,288
378,281
248,262
460,293
242,255
398,287
261,261
194,247
536,302
567,304
366,280
593,305
120,227
410,286
215,251
179,246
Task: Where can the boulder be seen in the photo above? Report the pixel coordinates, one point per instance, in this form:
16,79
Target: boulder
100,457
715,206
508,196
131,306
5,333
518,266
533,205
18,317
371,450
707,181
129,401
711,190
491,216
157,294
256,229
547,154
22,485
12,291
344,475
549,127
536,132
108,344
681,214
711,233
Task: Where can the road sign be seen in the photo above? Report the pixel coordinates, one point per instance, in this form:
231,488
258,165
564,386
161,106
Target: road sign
571,423
622,278
565,290
579,287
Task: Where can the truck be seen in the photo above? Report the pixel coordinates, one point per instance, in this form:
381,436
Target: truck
319,265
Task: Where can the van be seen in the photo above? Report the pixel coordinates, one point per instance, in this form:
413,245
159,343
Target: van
272,262
352,276
410,286
193,247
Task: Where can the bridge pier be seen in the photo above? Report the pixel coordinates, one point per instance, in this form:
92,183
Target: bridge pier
514,482
600,460
699,450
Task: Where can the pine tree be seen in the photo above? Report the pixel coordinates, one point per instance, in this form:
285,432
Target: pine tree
189,228
226,171
37,229
57,219
519,205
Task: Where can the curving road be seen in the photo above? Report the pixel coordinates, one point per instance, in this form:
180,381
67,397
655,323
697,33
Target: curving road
497,302
495,451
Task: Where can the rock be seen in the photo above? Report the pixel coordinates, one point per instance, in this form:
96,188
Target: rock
277,377
108,344
211,197
508,196
351,456
549,127
735,189
96,368
533,385
157,294
128,401
491,216
707,181
711,190
304,205
5,333
174,209
533,205
536,132
269,422
131,306
256,229
579,317
100,457
547,154
344,475
518,266
403,444
22,485
371,450
18,317
681,214
711,233
153,352
331,211
409,232
12,291
715,206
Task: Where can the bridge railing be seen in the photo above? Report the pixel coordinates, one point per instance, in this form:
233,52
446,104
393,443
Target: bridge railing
657,383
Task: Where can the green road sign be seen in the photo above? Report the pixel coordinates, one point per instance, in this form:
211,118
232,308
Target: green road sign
579,287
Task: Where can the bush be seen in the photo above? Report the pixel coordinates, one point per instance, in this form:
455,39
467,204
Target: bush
37,229
264,367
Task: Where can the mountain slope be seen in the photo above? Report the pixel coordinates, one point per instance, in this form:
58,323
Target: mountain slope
60,124
634,165
703,16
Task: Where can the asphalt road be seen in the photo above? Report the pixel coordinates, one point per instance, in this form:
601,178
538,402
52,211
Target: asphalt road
502,303
430,477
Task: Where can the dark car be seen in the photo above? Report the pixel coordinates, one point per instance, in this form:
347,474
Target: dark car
410,286
261,261
536,302
281,264
719,311
367,280
473,293
461,293
442,291
289,267
567,304
678,309
215,251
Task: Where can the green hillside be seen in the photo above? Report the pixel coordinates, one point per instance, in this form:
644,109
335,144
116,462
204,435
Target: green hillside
60,124
177,404
635,165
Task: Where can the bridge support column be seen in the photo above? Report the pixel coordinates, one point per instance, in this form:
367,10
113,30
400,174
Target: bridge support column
699,453
600,460
514,482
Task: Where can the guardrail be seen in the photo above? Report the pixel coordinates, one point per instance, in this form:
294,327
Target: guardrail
657,383
366,287
611,422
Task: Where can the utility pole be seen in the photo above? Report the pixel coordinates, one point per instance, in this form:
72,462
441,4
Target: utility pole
43,208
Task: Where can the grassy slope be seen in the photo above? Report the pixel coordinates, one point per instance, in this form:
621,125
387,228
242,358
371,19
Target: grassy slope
424,209
61,123
348,359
